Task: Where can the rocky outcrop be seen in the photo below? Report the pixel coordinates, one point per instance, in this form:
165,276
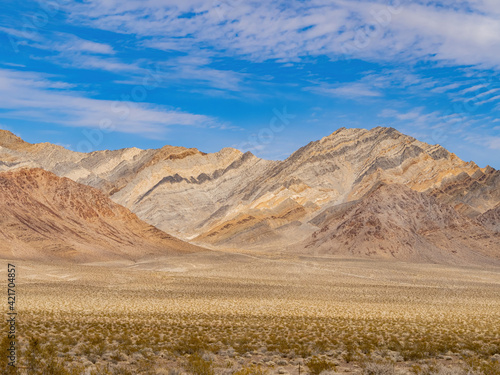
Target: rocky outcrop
471,194
491,219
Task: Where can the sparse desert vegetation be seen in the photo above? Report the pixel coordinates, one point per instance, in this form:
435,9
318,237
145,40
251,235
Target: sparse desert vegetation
250,315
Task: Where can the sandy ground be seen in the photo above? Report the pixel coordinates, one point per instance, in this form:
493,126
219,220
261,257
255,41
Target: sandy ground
254,312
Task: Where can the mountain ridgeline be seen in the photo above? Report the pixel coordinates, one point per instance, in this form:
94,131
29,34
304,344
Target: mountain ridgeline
355,193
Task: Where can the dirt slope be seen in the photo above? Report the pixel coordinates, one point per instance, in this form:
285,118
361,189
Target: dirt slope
45,217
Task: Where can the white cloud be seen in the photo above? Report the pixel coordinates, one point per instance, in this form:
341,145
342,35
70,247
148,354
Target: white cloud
494,143
98,63
13,65
192,73
492,99
73,51
443,89
196,68
60,42
72,43
486,93
454,33
351,90
375,84
35,97
415,116
491,142
21,35
473,89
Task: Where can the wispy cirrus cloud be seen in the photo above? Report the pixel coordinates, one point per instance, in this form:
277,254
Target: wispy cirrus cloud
80,45
417,64
491,142
197,70
415,114
354,90
464,33
446,88
473,88
58,41
69,43
456,130
22,35
69,50
37,97
373,84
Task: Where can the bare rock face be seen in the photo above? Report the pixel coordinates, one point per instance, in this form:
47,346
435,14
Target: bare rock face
395,222
231,199
472,194
45,217
491,219
106,170
337,169
191,193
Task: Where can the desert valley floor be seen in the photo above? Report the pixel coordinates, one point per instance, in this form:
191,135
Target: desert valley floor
248,313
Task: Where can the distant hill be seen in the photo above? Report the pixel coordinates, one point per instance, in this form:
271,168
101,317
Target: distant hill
45,217
395,222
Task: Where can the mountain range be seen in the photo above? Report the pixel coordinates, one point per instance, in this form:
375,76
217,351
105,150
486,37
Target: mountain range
355,193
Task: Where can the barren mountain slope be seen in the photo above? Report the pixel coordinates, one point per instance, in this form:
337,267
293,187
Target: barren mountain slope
191,193
396,222
44,217
231,199
491,219
471,195
268,204
346,164
106,170
172,187
336,169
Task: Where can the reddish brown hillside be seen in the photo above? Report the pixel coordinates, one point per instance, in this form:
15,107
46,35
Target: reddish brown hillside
46,217
396,222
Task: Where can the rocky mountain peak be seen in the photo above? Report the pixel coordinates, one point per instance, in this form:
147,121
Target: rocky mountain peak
10,140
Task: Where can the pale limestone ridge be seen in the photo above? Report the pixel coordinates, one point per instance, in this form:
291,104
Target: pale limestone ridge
204,184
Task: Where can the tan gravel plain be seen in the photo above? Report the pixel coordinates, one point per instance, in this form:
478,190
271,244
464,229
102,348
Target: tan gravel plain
246,313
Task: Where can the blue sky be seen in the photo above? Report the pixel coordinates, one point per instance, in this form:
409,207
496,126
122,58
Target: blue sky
265,76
